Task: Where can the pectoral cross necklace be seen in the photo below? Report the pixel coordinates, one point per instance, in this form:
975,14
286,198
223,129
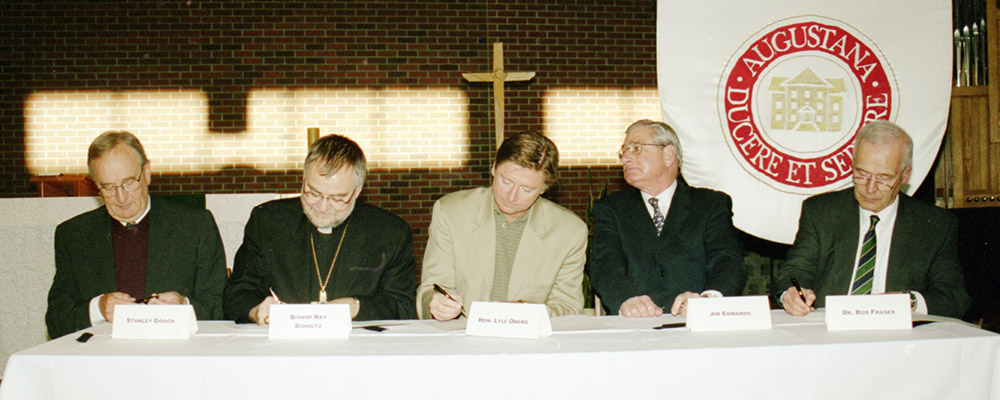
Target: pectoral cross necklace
322,282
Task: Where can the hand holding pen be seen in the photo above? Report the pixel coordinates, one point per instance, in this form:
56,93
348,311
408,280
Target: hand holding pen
798,301
445,306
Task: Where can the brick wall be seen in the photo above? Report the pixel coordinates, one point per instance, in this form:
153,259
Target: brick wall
221,93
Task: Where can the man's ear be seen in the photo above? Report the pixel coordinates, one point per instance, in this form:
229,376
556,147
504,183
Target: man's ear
669,155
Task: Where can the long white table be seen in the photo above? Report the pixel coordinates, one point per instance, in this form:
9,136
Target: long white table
587,358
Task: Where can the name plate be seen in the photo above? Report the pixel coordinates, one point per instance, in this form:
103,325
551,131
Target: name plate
508,320
140,321
309,321
728,313
868,312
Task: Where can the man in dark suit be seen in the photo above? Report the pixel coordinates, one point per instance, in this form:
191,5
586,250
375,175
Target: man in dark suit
662,242
133,248
324,246
869,239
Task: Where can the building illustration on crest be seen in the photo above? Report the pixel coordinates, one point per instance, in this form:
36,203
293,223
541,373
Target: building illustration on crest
806,103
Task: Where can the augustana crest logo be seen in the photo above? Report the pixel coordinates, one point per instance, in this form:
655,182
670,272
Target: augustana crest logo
793,97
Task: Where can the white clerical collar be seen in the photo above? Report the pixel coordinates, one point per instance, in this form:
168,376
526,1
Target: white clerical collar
149,204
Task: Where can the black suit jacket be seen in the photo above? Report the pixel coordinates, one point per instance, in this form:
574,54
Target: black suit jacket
923,256
697,250
375,264
185,255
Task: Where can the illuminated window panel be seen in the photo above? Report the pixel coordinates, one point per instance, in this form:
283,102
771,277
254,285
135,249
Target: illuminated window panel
588,123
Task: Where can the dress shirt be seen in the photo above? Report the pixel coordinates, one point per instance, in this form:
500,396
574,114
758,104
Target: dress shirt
883,245
95,303
664,199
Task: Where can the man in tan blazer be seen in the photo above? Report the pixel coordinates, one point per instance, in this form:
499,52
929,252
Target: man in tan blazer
505,243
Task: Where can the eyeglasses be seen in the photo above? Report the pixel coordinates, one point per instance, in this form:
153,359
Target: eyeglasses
313,198
635,148
129,185
882,182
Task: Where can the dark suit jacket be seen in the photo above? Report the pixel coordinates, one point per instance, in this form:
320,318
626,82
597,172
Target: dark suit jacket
923,256
185,255
697,250
375,264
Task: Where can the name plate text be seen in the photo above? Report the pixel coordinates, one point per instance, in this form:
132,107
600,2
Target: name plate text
868,312
309,321
508,320
728,313
141,321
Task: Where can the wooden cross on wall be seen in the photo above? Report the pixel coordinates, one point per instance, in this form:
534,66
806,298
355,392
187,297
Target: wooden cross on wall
498,76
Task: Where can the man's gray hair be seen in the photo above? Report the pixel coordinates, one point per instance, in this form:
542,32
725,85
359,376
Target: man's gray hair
881,132
336,151
662,134
106,141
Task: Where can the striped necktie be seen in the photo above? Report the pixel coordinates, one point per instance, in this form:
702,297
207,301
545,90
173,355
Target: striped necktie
866,263
657,215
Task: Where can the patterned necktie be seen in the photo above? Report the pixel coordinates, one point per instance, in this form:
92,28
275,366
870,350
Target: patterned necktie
866,263
657,215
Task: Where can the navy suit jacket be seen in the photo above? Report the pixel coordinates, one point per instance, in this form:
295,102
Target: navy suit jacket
923,256
185,255
696,251
375,265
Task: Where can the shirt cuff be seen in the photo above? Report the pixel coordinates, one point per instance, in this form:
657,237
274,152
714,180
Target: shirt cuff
95,310
711,293
921,303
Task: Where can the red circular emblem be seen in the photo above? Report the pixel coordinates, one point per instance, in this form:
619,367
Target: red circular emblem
793,97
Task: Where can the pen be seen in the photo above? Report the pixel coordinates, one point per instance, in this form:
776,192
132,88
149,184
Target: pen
799,288
274,295
439,289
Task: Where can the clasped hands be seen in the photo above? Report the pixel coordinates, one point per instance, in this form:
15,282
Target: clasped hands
108,301
643,306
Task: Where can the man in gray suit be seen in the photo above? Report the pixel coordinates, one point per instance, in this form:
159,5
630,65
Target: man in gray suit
869,239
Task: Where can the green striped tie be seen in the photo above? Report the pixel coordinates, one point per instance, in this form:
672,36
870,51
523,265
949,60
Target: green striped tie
866,263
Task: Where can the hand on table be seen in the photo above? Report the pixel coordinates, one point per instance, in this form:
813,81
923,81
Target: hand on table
261,313
793,303
354,303
108,301
443,309
680,303
168,298
640,307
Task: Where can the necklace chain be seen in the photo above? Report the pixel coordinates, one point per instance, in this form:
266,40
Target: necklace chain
322,282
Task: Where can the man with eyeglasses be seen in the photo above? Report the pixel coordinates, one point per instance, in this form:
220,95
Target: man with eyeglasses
662,242
870,239
136,248
324,246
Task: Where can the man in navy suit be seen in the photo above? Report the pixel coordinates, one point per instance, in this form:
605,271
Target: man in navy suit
662,242
913,246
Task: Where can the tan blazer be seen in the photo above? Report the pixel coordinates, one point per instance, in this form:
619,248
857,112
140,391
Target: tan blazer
461,251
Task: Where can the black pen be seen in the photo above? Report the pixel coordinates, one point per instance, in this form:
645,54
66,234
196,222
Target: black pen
799,288
439,289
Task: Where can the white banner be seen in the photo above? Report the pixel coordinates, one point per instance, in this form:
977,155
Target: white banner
767,96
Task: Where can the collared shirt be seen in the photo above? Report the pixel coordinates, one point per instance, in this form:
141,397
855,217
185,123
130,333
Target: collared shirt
883,246
664,198
149,203
508,238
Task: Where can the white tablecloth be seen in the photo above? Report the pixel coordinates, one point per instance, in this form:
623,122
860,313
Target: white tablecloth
587,358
